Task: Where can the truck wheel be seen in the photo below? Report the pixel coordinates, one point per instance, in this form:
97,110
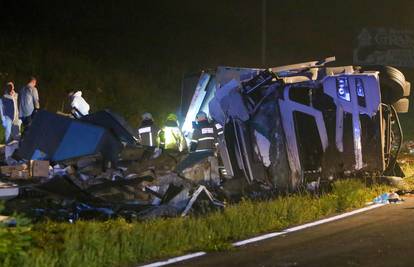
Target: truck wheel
407,89
393,85
392,82
402,105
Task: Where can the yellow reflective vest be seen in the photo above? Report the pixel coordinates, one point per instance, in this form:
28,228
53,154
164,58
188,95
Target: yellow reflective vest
172,138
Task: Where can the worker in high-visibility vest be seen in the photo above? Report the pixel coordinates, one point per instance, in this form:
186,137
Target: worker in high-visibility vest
148,131
170,137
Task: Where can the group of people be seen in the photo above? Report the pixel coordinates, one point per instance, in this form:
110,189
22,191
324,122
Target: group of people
17,109
170,138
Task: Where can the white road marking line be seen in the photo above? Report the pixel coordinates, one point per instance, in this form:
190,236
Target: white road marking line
176,259
267,236
304,226
256,239
331,219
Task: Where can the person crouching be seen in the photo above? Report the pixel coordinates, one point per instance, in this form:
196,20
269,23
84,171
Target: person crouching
79,106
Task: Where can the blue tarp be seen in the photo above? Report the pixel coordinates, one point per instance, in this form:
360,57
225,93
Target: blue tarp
113,123
73,146
56,138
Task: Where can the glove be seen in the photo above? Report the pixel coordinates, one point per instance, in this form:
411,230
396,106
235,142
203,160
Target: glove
157,153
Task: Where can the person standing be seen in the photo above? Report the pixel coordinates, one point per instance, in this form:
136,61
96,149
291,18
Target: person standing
79,106
148,131
28,101
171,138
9,113
204,135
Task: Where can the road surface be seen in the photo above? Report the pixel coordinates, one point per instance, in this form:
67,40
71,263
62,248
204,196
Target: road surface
379,237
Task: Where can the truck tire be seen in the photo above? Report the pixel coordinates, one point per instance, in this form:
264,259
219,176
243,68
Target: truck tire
392,82
402,105
393,85
407,89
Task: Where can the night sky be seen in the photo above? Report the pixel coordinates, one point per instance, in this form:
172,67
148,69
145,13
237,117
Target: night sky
152,40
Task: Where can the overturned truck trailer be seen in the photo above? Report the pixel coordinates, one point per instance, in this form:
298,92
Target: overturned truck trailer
290,126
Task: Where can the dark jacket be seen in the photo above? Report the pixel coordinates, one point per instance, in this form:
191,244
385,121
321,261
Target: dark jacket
204,137
148,133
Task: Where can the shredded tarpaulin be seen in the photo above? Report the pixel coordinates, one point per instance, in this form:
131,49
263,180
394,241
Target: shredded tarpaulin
381,199
57,138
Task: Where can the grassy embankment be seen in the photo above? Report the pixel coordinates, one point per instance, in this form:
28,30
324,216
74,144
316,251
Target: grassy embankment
407,165
119,243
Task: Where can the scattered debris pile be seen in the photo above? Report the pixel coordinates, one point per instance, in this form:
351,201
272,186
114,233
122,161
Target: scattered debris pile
67,169
388,198
408,147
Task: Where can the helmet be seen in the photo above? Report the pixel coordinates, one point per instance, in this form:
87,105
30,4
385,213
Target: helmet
147,116
172,117
201,116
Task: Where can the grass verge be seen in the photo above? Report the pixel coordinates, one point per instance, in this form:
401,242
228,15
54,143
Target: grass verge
119,243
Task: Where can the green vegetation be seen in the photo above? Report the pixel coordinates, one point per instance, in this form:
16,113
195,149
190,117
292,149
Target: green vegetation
128,87
408,169
14,241
2,136
119,243
128,93
407,125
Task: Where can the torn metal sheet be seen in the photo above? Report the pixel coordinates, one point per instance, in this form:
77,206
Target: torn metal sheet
201,201
8,191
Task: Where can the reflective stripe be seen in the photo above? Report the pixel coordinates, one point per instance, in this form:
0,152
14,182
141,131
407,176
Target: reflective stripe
194,141
144,130
207,130
221,132
206,138
207,149
150,136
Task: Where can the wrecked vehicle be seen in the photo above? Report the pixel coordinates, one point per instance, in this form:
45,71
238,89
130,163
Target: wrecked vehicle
304,124
284,129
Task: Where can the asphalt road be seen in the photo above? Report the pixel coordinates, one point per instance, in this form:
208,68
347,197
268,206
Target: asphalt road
379,237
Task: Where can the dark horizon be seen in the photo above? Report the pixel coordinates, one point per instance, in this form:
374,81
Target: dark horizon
231,31
84,43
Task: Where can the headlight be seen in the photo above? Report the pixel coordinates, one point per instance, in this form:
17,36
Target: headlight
359,85
342,88
360,91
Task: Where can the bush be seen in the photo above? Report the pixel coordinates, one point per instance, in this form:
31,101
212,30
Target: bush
14,241
348,194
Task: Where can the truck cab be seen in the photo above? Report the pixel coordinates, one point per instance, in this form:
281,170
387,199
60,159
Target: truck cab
287,127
